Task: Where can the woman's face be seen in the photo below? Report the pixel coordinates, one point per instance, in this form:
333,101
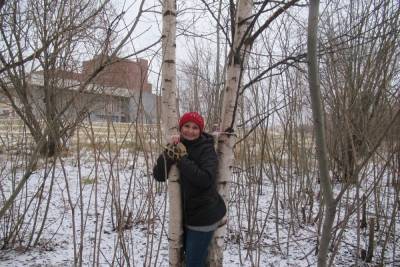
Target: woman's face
190,131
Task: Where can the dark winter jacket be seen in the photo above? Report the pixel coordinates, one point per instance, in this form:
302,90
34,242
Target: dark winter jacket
202,205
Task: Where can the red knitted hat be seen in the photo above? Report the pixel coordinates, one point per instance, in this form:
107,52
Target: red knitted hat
193,117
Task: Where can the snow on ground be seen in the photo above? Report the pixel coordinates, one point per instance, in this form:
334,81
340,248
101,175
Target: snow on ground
260,233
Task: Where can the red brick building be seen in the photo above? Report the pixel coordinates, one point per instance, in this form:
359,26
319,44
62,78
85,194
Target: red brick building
124,73
120,92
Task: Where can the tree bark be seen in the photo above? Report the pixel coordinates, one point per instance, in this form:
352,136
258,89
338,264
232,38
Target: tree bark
227,138
317,110
169,121
370,251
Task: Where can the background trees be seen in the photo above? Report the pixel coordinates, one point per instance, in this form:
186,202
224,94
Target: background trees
48,37
276,207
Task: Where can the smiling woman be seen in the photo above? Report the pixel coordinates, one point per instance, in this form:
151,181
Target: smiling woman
190,131
197,161
191,125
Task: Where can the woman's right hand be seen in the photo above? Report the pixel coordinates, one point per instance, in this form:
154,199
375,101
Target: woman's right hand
174,139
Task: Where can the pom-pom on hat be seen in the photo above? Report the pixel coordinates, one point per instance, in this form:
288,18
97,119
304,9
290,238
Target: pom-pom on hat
193,117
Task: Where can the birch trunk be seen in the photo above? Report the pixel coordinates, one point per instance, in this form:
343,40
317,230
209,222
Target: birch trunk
169,122
227,139
317,110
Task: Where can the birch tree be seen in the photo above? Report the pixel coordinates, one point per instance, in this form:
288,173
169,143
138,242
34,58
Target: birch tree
241,44
227,139
169,121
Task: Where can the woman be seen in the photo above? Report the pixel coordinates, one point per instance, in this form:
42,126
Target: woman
197,162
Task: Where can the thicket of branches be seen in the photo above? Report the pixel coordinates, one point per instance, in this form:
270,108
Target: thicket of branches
275,191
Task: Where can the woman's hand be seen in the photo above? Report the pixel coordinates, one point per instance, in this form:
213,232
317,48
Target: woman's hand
174,139
175,152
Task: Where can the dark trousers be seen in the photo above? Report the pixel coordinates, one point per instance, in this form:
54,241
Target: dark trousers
196,247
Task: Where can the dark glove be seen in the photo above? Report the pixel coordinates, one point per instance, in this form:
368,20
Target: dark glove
175,152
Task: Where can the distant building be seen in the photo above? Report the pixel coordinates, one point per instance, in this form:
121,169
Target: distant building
120,92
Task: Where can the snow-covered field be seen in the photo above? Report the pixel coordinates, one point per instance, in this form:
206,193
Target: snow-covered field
90,195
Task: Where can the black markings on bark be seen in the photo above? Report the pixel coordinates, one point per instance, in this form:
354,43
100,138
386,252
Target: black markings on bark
169,13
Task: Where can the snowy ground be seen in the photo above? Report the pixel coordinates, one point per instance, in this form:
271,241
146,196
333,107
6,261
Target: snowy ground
260,233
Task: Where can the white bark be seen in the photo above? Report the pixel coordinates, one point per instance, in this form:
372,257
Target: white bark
169,122
226,141
316,104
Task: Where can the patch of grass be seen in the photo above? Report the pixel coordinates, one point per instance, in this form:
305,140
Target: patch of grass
88,180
